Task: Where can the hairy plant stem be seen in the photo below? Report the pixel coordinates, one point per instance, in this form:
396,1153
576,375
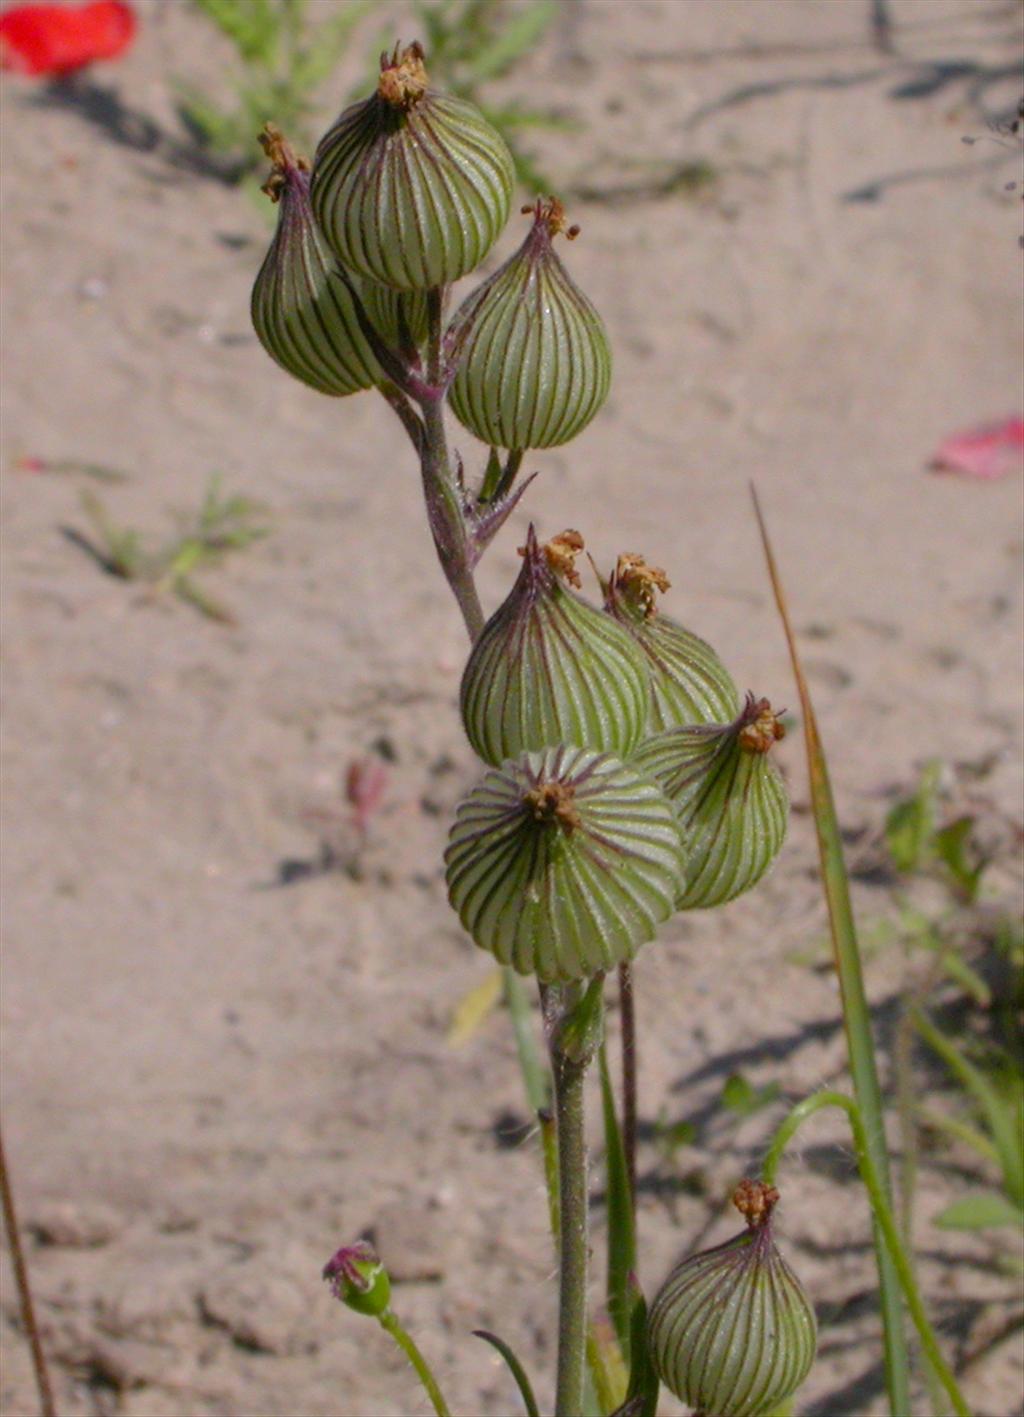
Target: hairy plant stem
568,1076
28,1314
390,1324
444,513
883,1217
627,1023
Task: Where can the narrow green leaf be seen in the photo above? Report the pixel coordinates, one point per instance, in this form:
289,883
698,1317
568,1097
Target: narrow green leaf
515,1368
983,1211
856,1016
606,1366
1000,1117
953,847
910,825
621,1232
643,1380
536,1075
740,1095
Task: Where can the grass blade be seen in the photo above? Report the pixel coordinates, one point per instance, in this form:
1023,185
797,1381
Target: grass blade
856,1016
515,1368
621,1230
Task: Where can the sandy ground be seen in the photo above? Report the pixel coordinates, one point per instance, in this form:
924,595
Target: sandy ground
211,1079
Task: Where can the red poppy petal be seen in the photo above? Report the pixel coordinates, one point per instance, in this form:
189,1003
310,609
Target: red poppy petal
55,39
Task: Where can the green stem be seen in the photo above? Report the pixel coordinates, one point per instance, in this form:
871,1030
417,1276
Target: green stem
627,1023
389,1322
883,1218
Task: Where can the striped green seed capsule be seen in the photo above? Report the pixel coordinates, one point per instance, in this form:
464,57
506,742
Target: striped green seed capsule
732,1331
549,668
562,863
534,362
302,311
400,317
412,187
729,799
689,683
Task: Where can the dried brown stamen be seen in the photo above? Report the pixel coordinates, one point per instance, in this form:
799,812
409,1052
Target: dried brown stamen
283,160
403,76
549,212
552,802
639,582
755,1202
762,727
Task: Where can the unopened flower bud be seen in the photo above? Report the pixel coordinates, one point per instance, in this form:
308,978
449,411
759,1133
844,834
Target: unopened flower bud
358,1278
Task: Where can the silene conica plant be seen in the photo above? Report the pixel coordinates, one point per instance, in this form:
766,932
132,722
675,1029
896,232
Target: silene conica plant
625,776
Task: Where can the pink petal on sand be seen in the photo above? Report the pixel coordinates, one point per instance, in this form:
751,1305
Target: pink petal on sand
988,452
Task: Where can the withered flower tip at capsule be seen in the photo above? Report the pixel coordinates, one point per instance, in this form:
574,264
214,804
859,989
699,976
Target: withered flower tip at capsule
732,1331
411,186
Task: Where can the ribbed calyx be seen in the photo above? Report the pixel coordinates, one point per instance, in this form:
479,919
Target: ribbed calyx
689,683
732,1331
411,187
301,309
535,363
563,862
549,668
729,800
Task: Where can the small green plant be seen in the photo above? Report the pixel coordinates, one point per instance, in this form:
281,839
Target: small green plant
222,523
287,49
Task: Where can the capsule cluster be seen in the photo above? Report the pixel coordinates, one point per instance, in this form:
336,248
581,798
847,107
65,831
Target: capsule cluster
552,675
627,779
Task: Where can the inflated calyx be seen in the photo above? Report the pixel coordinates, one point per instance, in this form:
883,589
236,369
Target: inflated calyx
689,683
411,186
548,668
563,862
535,363
302,311
732,1331
729,799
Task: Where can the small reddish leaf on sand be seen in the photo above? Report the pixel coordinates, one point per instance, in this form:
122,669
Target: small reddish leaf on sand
365,783
43,40
988,452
